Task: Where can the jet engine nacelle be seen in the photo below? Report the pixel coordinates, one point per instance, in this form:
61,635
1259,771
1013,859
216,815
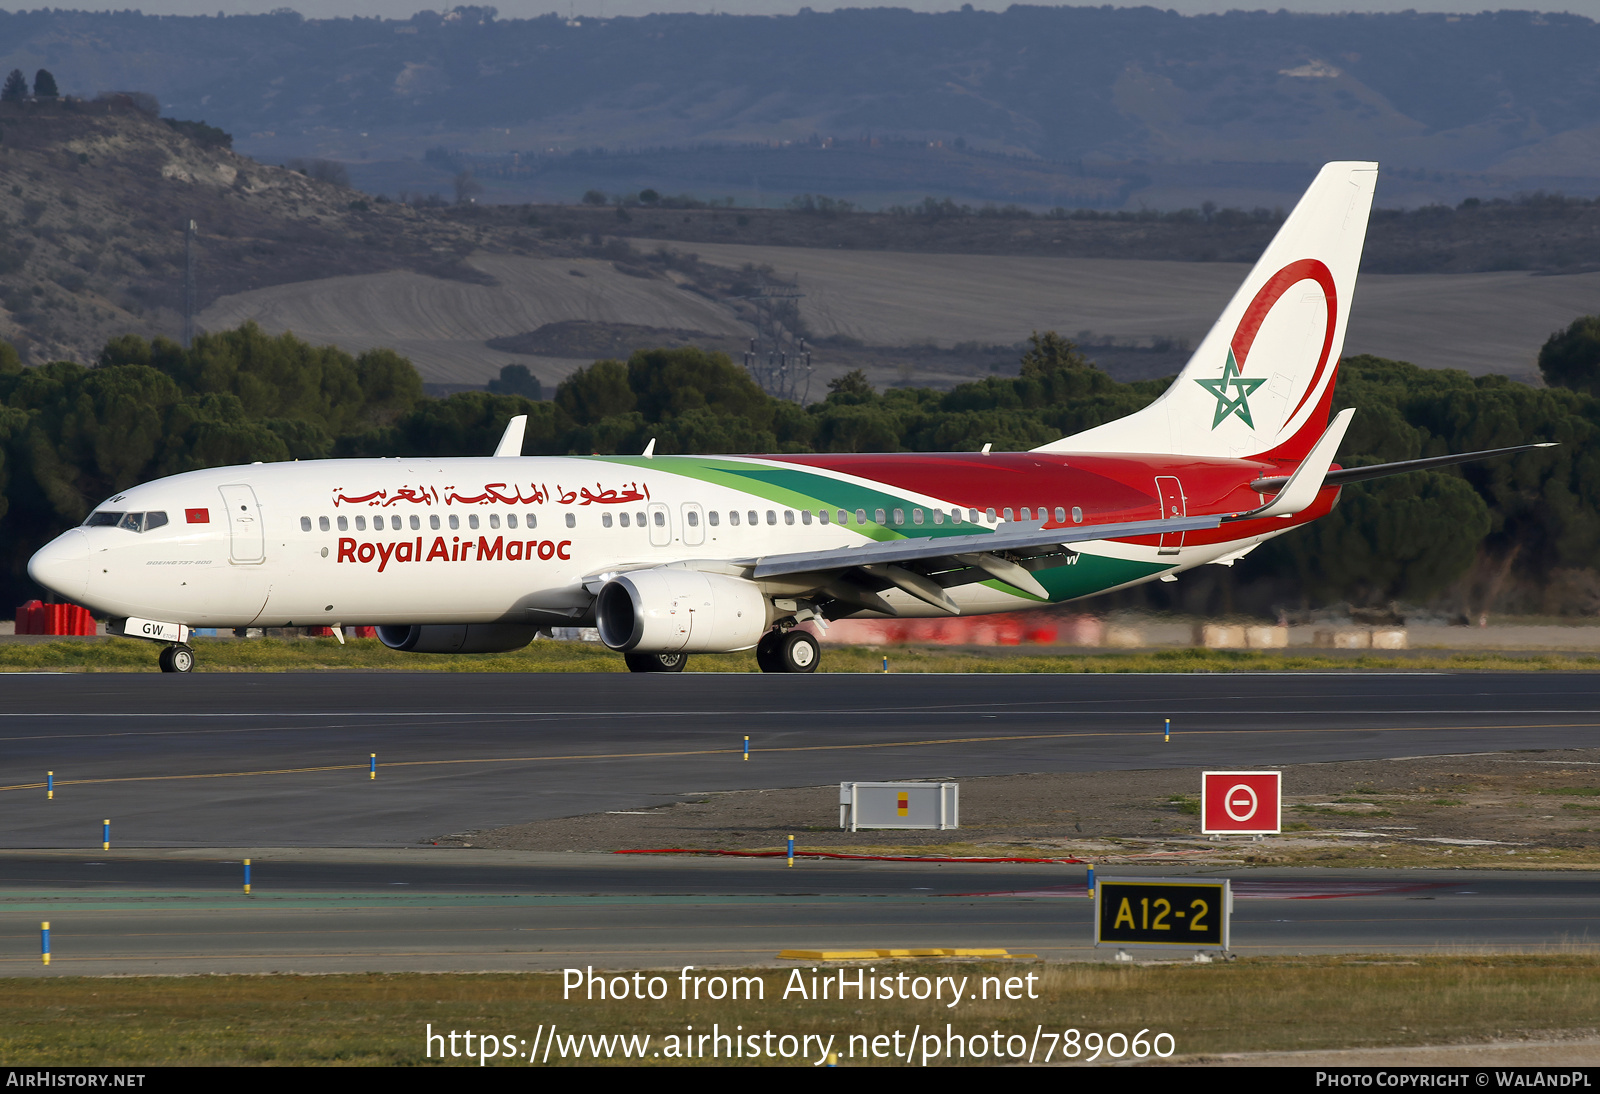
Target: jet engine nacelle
458,637
673,611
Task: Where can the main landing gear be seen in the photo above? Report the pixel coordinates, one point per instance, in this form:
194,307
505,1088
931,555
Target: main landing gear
177,658
655,662
788,651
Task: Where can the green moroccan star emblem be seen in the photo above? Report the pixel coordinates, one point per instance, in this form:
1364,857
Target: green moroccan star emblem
1219,388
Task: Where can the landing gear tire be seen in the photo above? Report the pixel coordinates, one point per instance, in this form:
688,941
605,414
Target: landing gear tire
176,659
767,659
794,651
655,662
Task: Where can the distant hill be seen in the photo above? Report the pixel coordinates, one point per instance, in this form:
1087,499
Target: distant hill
94,198
1111,106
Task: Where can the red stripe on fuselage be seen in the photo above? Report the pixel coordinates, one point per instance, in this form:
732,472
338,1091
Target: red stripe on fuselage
1108,487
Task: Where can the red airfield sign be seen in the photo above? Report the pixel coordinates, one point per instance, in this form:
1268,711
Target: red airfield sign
1241,802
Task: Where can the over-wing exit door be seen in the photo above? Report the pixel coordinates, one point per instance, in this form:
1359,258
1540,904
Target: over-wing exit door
1172,505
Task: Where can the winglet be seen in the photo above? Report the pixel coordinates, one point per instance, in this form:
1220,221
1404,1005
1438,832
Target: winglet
511,441
650,449
1301,489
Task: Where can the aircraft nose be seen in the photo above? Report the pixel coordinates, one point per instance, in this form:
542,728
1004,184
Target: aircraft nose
62,565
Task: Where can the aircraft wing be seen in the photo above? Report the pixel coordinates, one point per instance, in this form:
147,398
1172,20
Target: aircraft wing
926,566
1018,536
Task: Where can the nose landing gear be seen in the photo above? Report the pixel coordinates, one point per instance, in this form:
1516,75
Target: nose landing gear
179,658
788,651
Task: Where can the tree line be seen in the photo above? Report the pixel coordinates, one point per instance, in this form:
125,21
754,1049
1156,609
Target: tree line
1521,530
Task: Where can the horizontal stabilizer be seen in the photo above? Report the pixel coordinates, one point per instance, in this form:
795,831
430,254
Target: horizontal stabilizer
1301,489
1380,470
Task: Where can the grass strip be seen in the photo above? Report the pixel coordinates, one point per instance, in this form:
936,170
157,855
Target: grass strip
368,654
1250,1005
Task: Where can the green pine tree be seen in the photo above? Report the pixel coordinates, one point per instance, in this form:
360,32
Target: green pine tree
16,88
44,85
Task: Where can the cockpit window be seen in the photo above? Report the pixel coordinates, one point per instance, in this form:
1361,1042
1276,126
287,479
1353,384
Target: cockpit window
133,522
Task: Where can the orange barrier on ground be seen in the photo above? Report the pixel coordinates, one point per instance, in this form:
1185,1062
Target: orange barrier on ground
36,617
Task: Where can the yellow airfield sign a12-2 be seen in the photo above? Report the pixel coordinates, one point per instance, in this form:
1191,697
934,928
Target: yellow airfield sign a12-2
1163,912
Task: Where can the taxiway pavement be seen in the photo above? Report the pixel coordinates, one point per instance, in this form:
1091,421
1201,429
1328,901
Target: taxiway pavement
451,910
281,759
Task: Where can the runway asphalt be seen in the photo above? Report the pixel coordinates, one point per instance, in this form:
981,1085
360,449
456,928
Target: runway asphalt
282,759
208,769
482,911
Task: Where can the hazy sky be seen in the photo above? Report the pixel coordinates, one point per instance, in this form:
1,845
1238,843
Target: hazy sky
516,9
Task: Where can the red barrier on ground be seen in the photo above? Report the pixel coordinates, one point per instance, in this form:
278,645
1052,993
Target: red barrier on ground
1014,629
319,632
836,854
366,632
36,617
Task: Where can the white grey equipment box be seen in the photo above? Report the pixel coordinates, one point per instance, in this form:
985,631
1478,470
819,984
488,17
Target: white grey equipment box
900,805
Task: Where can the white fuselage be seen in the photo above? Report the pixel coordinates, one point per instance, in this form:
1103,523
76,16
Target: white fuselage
467,540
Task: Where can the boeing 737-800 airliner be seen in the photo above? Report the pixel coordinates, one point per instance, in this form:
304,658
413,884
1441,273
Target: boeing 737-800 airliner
672,555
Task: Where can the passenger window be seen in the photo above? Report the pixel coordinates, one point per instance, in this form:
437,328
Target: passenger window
805,516
938,516
955,516
1007,514
605,520
753,519
511,520
879,516
638,518
416,523
1077,515
1061,515
972,515
623,518
692,518
361,524
772,516
533,520
822,516
661,519
713,518
322,524
916,516
344,523
844,516
899,516
572,520
788,516
305,524
494,520
733,517
988,515
1027,514
156,520
455,521
472,521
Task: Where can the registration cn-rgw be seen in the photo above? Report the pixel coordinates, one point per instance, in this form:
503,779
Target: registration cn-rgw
673,555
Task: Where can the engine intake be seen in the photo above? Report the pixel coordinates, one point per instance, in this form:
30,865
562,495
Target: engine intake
673,611
458,637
